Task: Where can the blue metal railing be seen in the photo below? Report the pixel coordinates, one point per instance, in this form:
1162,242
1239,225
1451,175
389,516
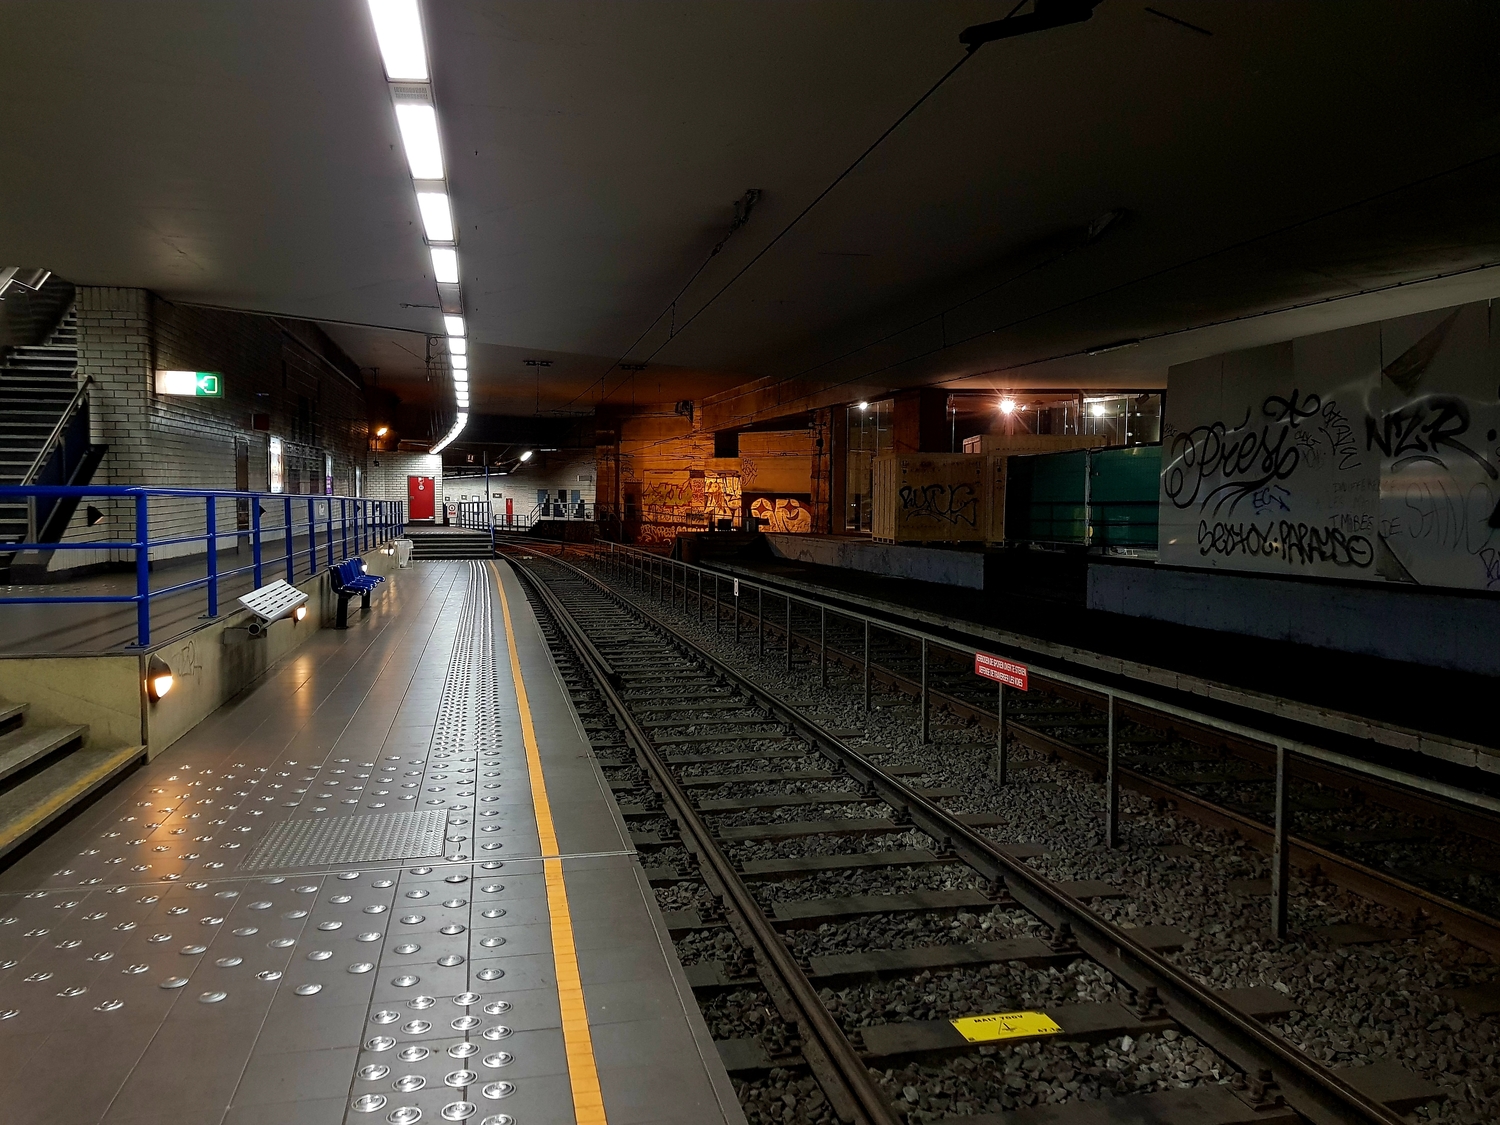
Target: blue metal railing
347,526
477,515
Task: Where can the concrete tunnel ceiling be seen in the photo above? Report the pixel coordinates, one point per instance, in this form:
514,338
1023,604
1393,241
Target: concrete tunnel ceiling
1257,170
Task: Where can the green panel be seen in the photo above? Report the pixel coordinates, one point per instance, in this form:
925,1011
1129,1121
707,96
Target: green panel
1123,496
1044,498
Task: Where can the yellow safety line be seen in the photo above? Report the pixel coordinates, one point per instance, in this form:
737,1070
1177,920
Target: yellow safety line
578,1043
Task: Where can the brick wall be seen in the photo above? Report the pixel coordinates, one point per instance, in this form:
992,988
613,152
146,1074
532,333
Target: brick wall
289,372
386,479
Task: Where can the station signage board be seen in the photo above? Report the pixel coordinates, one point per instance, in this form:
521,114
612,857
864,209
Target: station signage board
1007,672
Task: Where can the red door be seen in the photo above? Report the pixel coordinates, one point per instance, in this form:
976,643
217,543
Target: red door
419,493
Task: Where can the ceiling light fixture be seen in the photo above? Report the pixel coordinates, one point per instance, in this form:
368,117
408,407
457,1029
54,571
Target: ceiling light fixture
527,455
403,51
864,406
1007,406
445,264
437,216
419,137
398,30
458,427
1097,410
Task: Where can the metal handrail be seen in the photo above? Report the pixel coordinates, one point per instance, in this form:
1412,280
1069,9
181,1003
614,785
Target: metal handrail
1120,695
52,438
346,525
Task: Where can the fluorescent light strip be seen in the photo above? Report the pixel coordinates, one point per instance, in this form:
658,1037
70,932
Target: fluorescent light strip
445,264
458,425
398,30
419,136
403,52
437,215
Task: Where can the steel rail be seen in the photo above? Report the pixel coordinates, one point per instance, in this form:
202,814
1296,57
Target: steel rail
1314,1091
1125,695
843,1073
1459,921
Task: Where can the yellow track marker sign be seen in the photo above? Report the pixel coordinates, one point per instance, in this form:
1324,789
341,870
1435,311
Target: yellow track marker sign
1005,1025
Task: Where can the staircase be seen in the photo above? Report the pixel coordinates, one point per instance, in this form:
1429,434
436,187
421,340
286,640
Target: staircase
44,771
38,384
449,543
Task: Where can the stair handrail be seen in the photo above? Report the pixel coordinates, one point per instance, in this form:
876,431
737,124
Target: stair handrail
56,434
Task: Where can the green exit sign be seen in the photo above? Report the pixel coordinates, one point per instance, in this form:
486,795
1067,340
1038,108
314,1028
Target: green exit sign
194,384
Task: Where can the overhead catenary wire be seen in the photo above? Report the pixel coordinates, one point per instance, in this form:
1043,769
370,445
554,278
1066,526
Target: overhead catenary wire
764,250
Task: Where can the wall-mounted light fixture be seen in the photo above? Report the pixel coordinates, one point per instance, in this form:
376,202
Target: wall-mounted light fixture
159,678
1007,406
300,613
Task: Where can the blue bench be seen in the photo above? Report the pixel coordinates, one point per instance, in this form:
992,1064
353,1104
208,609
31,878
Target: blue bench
347,579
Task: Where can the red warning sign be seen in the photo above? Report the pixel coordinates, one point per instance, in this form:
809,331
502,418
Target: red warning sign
1008,672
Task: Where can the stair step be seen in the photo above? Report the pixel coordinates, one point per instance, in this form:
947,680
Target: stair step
10,711
37,801
20,748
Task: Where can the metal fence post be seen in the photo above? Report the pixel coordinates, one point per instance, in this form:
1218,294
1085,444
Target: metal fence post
718,615
736,611
1112,784
789,633
700,597
312,539
1280,852
760,621
142,573
255,551
291,557
926,722
867,665
823,643
1001,762
328,521
344,526
212,526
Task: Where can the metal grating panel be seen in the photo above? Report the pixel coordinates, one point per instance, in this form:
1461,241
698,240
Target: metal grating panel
350,839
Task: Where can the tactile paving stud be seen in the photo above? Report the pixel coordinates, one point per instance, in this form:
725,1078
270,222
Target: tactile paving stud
385,1015
368,1103
212,997
416,1027
268,974
379,1043
490,974
421,1002
464,999
499,1058
459,1111
465,1023
413,1054
499,1089
174,982
496,1007
405,980
374,1072
499,1119
361,967
499,1031
308,989
409,1083
369,935
406,1115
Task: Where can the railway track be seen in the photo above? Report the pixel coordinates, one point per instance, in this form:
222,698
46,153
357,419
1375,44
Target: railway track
807,883
1431,859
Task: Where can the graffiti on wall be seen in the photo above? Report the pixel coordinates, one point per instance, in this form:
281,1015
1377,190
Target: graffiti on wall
689,496
782,513
942,504
1369,452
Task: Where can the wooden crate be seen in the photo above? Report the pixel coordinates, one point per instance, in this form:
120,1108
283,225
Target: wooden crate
1032,443
929,498
995,466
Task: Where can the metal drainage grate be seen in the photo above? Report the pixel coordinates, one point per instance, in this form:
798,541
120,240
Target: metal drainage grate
350,839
